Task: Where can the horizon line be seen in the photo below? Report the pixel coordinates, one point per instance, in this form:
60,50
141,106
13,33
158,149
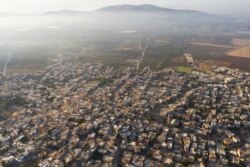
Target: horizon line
93,10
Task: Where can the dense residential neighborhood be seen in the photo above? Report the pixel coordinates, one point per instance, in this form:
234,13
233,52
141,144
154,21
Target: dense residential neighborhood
96,115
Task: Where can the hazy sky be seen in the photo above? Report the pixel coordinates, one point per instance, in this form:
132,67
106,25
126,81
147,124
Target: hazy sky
239,7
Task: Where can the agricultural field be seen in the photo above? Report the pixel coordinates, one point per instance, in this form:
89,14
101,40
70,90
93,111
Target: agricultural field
160,56
241,41
243,52
179,61
202,52
235,62
113,49
127,50
216,38
206,66
224,49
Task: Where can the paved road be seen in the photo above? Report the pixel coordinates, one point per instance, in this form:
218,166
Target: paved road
6,64
142,55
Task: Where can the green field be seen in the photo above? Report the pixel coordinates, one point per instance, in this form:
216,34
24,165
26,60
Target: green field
183,69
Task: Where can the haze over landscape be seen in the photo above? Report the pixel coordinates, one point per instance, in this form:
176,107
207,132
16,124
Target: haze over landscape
225,7
124,83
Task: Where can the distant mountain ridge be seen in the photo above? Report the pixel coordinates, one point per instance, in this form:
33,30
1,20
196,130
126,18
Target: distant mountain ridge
145,8
130,8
